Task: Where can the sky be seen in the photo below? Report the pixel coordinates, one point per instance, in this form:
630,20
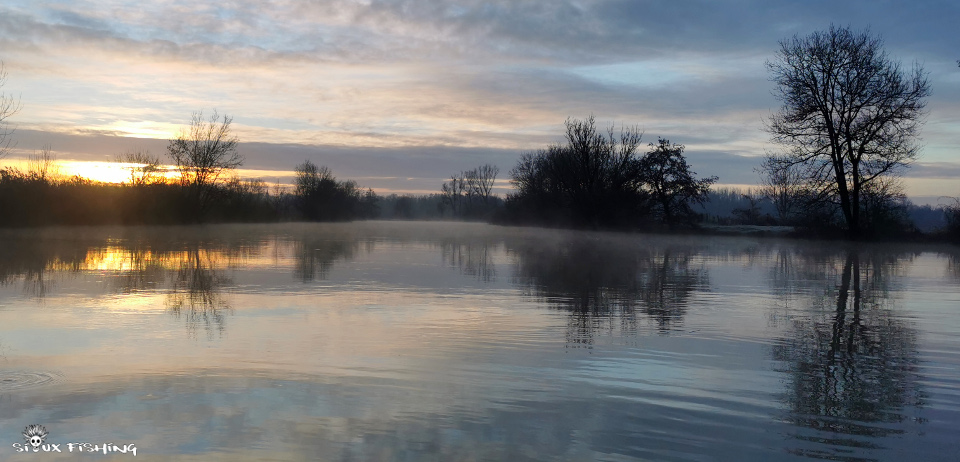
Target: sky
400,94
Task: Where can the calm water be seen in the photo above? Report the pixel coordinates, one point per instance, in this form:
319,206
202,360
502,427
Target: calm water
441,341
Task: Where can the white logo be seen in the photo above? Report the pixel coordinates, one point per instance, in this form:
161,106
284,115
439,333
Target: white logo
35,437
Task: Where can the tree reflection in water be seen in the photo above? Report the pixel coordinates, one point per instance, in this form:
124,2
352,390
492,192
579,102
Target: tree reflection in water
30,261
187,264
315,255
851,359
953,266
473,257
609,285
196,295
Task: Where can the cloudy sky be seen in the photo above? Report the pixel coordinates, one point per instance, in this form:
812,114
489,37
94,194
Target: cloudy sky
399,94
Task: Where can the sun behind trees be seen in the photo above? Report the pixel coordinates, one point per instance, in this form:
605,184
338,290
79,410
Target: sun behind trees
601,181
849,122
203,153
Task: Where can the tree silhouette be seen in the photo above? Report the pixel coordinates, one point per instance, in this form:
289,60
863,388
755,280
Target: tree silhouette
321,197
671,184
470,193
203,152
849,118
592,180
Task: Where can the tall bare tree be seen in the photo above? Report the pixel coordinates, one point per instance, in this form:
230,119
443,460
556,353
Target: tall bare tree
453,193
470,191
850,113
485,176
203,152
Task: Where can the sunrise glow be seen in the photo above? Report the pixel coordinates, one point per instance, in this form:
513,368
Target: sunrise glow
105,172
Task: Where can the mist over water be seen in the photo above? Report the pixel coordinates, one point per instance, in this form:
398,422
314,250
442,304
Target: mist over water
456,341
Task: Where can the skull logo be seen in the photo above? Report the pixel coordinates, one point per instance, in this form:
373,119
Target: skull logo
34,436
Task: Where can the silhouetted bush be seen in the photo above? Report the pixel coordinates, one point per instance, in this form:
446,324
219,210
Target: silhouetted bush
321,197
600,181
591,181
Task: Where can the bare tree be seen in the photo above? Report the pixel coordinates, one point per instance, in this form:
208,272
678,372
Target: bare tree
951,213
469,191
205,150
144,167
485,176
453,193
311,178
8,107
42,165
850,114
784,185
202,153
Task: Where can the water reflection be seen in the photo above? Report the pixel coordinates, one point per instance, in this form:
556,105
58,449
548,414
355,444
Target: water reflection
189,266
606,284
474,258
383,341
851,359
316,254
953,266
132,268
29,260
197,291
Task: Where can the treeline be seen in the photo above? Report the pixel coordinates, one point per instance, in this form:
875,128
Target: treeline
728,206
30,200
203,190
594,179
602,180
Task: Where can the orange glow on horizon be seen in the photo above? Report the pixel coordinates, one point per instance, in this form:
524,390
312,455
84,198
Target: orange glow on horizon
105,172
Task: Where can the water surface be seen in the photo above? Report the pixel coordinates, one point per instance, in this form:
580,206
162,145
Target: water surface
451,341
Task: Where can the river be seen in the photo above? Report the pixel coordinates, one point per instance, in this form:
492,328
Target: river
444,341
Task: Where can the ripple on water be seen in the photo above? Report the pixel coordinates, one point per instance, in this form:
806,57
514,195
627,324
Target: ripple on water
20,380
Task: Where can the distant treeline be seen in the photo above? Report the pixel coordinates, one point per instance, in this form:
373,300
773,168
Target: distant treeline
27,199
204,189
37,197
729,206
